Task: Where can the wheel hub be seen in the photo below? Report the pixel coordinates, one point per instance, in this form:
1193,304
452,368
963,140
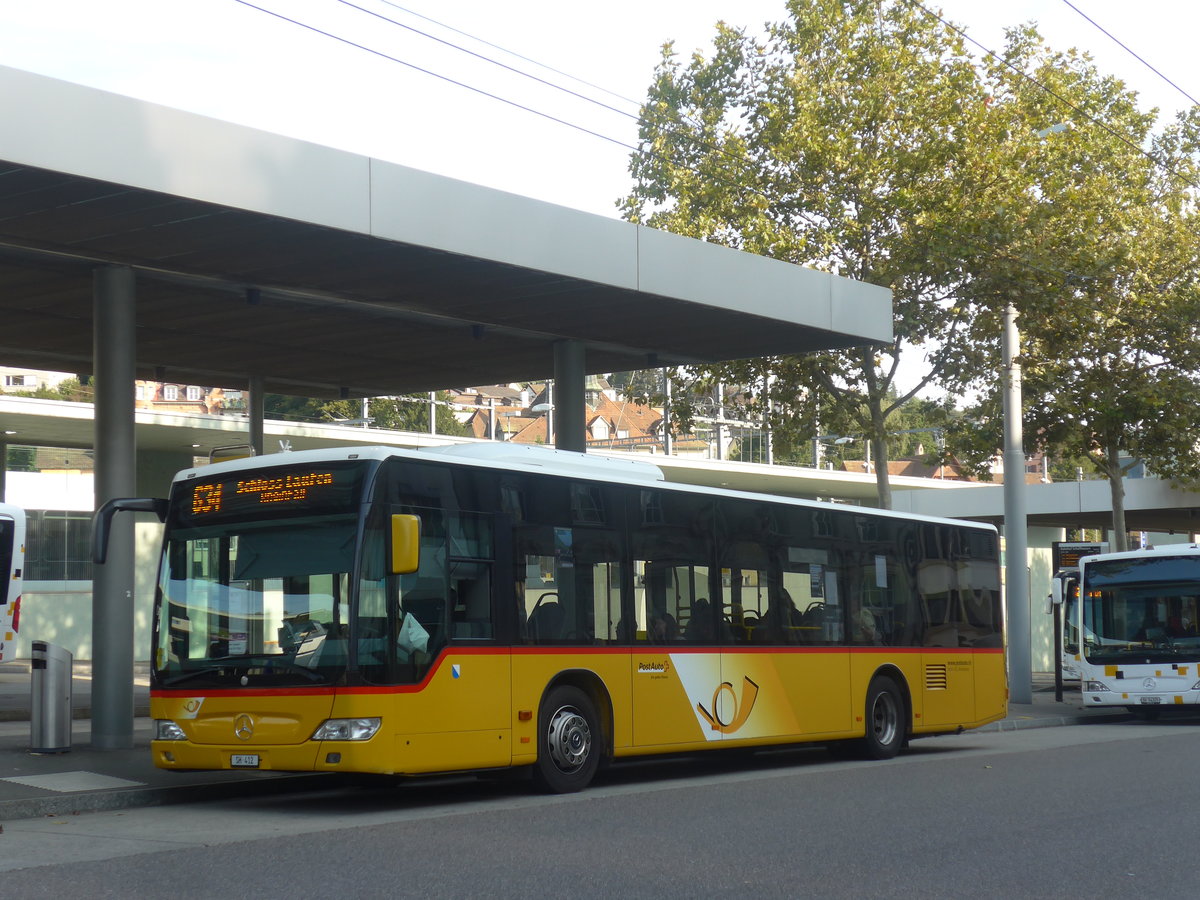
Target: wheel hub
569,739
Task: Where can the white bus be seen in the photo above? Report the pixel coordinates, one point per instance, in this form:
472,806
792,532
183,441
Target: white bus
12,561
1132,627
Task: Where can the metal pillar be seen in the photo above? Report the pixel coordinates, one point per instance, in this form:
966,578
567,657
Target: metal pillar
721,449
571,407
666,419
3,469
256,410
1016,537
114,347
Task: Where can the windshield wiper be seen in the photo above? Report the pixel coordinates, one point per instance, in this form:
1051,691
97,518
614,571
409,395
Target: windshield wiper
187,676
293,667
269,665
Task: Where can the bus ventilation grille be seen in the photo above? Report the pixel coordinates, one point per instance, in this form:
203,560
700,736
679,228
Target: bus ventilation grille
935,678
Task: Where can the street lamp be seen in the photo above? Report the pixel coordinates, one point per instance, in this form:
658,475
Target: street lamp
1016,535
1016,538
834,439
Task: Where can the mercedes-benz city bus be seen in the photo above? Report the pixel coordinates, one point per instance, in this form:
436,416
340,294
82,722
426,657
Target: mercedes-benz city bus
493,606
12,561
1131,623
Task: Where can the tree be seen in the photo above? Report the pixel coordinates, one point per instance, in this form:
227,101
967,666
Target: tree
392,413
67,389
1106,268
854,139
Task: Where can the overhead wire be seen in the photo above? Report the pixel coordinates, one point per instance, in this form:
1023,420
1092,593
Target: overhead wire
617,141
1057,96
424,71
1118,42
487,59
681,119
513,53
1065,275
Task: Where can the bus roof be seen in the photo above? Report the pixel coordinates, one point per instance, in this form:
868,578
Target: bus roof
1189,549
539,460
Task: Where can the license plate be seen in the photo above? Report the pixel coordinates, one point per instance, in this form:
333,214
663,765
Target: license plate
1151,701
244,761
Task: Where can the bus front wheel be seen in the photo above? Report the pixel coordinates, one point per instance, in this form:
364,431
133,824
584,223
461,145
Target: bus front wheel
568,741
885,723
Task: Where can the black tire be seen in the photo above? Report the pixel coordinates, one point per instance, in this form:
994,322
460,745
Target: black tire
886,719
569,741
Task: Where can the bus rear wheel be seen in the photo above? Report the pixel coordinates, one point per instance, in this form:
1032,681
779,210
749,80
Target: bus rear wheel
885,719
568,741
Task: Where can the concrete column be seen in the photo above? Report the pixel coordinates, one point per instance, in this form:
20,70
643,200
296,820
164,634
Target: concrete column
255,410
1016,536
571,409
114,352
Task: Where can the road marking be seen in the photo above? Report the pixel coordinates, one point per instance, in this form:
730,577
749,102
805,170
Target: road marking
70,782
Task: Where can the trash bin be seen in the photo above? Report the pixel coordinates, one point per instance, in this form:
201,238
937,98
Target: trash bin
50,713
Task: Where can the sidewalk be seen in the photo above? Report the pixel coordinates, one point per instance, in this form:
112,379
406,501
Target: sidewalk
87,780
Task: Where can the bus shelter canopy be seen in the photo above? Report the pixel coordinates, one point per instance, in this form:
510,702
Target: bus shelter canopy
330,274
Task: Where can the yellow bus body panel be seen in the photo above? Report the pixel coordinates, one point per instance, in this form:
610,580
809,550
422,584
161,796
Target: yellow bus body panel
478,707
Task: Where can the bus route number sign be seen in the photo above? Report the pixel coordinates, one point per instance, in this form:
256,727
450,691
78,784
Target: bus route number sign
294,487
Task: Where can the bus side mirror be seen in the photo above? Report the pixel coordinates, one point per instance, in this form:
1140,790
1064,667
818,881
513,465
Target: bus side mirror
102,520
406,544
1056,594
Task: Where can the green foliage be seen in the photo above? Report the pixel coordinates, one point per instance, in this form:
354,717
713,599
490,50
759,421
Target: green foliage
67,389
640,384
851,140
1103,265
21,459
861,139
390,413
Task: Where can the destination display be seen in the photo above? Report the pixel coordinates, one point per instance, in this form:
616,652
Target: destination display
329,488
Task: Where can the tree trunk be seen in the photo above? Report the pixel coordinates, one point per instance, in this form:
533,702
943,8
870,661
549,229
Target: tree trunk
1116,485
876,438
883,484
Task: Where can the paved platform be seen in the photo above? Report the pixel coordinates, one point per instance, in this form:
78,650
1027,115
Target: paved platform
84,779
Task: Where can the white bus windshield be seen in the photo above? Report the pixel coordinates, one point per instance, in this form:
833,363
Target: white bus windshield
1141,610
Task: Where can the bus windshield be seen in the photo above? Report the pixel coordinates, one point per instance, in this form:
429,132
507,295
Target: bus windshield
1141,610
258,601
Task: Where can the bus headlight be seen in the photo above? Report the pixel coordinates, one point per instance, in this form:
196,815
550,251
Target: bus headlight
1094,687
166,730
1196,686
347,730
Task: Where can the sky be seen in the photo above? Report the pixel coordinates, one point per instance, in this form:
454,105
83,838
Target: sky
347,77
387,78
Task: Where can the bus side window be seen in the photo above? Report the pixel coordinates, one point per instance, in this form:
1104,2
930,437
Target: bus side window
471,601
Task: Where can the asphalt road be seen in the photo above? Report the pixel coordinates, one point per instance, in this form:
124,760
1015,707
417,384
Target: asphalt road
1094,811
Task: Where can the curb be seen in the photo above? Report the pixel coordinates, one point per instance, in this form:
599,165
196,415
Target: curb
136,798
141,711
1020,724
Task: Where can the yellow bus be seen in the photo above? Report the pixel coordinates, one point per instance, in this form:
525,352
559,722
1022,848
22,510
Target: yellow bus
492,606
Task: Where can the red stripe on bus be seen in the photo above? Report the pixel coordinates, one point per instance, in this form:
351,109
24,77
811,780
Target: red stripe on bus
366,689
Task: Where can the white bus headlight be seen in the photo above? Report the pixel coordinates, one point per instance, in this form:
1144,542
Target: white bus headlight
166,730
1094,687
347,730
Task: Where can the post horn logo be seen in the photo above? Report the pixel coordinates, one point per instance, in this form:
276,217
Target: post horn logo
741,710
243,727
